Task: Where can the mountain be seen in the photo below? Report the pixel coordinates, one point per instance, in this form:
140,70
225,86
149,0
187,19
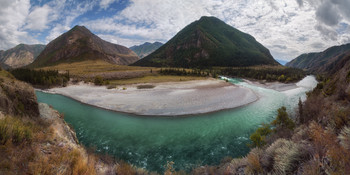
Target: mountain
145,49
282,62
322,62
209,42
79,44
20,56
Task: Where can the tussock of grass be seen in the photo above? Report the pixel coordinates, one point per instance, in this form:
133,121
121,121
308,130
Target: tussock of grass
12,129
344,137
253,160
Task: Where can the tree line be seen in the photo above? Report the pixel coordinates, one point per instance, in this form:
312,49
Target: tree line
41,78
284,75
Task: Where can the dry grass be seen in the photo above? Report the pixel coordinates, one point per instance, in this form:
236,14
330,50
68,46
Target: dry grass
253,160
28,147
344,137
116,74
328,147
94,66
155,79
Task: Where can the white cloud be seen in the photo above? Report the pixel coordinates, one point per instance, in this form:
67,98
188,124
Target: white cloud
287,27
68,15
13,15
123,41
38,18
104,4
293,24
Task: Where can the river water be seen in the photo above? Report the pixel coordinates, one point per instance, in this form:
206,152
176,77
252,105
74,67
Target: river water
188,141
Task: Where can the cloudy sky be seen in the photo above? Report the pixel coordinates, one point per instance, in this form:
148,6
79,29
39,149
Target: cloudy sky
286,27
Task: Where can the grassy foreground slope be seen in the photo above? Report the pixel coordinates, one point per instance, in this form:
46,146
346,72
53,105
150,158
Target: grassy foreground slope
34,138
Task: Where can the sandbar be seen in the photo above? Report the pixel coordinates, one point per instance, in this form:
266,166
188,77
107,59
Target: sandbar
165,99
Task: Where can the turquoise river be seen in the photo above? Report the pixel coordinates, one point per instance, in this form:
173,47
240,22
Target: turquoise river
188,141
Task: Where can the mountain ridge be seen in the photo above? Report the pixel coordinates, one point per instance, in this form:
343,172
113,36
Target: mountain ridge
209,42
20,55
322,62
146,48
80,44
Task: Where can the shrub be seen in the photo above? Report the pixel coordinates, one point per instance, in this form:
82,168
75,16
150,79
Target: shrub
98,81
259,136
253,161
146,86
111,86
340,119
312,167
284,156
282,120
327,147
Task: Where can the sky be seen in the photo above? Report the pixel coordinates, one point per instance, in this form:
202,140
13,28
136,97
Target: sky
287,28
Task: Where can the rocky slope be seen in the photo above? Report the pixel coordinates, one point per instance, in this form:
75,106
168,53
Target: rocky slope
79,44
17,98
209,42
145,49
20,56
321,62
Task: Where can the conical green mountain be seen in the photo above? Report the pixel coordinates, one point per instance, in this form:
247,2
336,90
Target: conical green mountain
209,42
79,44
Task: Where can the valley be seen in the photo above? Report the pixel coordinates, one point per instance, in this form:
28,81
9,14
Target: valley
174,87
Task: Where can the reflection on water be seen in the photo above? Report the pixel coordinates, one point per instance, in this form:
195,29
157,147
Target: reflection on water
150,142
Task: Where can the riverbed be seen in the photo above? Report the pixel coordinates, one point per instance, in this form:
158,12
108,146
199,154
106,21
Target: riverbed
188,141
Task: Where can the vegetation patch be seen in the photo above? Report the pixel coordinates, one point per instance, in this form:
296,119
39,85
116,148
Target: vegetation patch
15,131
146,86
42,78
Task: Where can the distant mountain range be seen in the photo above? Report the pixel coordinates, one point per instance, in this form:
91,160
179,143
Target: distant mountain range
20,56
79,44
145,49
322,62
209,42
282,62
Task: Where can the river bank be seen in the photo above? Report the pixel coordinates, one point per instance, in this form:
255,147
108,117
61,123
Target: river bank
164,99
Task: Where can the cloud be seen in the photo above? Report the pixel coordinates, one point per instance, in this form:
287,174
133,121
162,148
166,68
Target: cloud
317,45
287,28
104,4
327,13
273,23
300,2
13,15
38,18
67,12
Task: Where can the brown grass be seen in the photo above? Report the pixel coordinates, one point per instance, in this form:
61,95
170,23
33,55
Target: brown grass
94,66
327,146
253,160
155,79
